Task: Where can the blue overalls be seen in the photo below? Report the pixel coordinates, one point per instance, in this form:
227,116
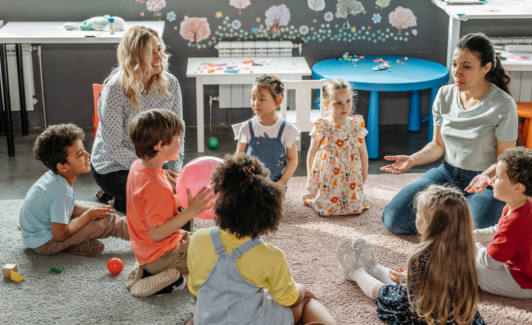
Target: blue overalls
270,151
225,298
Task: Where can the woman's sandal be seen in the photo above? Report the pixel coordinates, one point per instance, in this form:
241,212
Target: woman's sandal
364,252
347,258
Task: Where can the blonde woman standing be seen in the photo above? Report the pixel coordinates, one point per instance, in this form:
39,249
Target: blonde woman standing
140,82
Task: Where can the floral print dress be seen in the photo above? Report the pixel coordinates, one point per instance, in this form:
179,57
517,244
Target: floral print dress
392,302
335,184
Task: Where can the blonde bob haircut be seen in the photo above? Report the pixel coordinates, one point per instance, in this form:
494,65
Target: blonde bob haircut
134,48
447,291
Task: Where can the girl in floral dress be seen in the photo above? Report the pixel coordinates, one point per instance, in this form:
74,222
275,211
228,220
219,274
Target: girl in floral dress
441,284
337,161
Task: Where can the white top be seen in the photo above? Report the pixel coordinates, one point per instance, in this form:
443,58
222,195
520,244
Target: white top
290,132
53,32
471,135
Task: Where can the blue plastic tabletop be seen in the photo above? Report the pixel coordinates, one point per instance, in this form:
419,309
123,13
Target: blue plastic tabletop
416,74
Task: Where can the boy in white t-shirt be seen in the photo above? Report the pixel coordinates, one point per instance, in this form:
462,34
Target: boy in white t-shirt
267,136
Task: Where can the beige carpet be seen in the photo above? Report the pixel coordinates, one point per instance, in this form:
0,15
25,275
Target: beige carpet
309,243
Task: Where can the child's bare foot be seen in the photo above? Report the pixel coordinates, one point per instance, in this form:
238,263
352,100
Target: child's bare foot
308,202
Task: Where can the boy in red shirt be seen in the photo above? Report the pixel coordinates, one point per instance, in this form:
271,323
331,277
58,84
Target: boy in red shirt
504,257
152,212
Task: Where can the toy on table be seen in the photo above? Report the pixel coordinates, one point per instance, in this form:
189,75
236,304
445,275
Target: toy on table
211,71
213,143
382,66
247,61
406,58
8,268
400,62
19,227
221,64
115,265
381,60
210,64
194,176
58,269
231,71
257,64
16,277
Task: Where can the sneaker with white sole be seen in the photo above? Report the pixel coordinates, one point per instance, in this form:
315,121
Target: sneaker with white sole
89,248
365,254
134,275
347,258
152,284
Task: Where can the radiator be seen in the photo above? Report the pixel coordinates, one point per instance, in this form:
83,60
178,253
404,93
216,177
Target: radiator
27,64
239,96
521,85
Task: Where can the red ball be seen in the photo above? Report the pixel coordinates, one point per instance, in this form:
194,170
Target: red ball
115,265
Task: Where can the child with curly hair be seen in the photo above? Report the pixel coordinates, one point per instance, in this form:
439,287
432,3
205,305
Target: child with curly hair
267,136
504,255
441,284
337,162
51,220
231,267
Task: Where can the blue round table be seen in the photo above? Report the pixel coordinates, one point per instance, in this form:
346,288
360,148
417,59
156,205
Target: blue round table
413,76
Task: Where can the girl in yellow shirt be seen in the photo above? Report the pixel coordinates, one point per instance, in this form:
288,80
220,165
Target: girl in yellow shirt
236,277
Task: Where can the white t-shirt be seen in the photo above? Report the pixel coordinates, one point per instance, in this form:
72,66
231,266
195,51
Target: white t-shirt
471,135
290,132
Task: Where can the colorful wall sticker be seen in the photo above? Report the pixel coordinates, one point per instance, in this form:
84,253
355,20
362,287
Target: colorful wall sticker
277,16
346,7
402,18
240,4
155,5
382,4
194,29
316,5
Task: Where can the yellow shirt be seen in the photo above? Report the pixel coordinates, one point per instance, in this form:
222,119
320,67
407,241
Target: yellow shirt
264,266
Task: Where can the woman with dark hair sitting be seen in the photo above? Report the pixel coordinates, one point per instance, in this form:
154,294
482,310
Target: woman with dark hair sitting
475,121
230,267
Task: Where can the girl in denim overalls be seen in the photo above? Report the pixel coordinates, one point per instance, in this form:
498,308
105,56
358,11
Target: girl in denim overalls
267,136
237,278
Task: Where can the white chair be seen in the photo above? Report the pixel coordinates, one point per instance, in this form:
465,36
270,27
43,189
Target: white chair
303,117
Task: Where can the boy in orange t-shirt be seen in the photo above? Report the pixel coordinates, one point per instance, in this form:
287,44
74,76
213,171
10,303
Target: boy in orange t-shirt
153,219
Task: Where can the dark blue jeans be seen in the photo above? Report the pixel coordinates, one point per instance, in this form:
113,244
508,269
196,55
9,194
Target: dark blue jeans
399,216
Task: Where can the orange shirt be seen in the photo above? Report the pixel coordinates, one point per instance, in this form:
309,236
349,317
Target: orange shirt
150,202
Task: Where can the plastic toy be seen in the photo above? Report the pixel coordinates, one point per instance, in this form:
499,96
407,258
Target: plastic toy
115,265
211,64
58,269
8,268
194,176
406,58
247,61
381,60
231,70
361,57
211,71
230,67
400,62
221,64
19,227
382,66
16,277
257,64
213,143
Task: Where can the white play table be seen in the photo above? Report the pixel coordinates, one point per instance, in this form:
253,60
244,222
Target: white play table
285,68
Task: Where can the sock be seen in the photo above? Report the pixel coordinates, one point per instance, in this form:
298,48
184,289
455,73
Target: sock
382,273
365,281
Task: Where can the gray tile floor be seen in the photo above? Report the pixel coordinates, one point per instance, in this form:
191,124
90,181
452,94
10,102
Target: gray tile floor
20,172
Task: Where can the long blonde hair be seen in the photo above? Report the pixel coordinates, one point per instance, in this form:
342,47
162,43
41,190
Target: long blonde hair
451,267
134,46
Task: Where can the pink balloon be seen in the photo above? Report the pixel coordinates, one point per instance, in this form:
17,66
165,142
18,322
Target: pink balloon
194,176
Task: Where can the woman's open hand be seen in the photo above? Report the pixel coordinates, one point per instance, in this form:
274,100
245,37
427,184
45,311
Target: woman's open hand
401,164
478,184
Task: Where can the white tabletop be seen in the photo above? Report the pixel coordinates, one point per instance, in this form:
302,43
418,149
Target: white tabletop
53,32
279,66
493,9
517,61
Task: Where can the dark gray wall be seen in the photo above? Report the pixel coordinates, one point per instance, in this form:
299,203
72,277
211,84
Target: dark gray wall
70,70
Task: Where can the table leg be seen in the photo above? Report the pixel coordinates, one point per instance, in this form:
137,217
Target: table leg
433,93
454,36
199,114
7,102
23,113
372,139
414,115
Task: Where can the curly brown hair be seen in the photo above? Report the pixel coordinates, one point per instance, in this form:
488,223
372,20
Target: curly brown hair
51,146
249,203
519,167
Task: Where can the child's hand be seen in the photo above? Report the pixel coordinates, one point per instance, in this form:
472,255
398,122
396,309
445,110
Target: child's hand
99,212
397,275
198,204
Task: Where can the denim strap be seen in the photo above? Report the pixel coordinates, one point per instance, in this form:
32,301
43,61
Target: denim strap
217,241
252,134
281,130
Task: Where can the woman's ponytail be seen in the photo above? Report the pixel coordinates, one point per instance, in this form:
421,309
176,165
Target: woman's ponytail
480,44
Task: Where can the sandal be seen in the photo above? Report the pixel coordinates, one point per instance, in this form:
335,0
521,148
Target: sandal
348,259
364,252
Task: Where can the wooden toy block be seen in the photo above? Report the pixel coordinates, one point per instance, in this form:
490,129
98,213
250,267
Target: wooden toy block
58,269
8,268
16,277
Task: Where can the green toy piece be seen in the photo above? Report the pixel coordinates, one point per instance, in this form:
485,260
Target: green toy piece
58,269
213,143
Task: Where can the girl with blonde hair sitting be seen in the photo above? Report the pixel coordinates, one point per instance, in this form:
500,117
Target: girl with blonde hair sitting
141,82
441,284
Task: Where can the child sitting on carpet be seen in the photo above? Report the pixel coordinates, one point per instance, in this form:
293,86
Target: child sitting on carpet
505,265
441,284
236,277
153,218
337,162
51,220
267,136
